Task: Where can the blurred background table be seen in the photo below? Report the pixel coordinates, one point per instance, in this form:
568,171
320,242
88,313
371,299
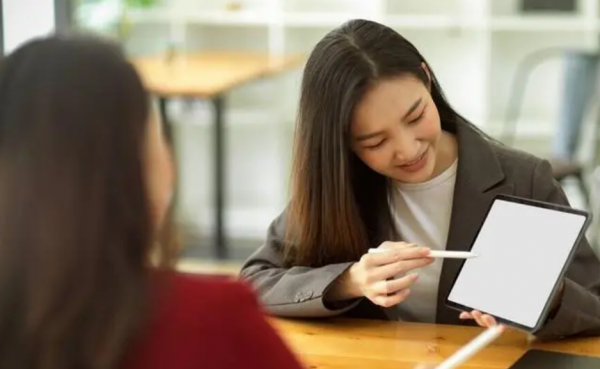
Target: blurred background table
209,76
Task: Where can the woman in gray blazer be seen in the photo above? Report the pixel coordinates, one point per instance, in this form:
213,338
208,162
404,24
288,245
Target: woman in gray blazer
380,156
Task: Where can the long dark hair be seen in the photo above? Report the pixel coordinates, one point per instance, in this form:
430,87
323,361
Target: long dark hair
76,232
339,207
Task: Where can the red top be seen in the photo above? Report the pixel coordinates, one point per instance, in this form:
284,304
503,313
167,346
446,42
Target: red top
209,323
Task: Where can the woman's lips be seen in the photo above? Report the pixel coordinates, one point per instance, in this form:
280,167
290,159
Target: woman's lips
416,164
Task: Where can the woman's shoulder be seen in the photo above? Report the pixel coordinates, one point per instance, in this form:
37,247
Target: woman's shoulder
490,152
198,307
523,173
209,292
529,174
517,162
194,302
198,321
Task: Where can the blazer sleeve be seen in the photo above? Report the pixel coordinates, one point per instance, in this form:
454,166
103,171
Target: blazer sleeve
295,291
578,312
251,342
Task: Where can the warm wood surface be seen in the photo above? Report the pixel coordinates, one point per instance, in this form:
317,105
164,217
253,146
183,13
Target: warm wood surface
362,344
192,265
204,75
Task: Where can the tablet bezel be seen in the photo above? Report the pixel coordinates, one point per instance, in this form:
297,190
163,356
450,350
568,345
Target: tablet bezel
540,204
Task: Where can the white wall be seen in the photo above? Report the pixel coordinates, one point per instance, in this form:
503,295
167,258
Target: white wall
26,19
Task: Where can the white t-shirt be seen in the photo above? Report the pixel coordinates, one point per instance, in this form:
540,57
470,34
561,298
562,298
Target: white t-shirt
422,213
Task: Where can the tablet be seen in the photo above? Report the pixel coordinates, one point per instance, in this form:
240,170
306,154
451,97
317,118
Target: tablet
535,358
524,248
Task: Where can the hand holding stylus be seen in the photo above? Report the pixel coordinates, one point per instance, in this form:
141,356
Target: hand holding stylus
384,277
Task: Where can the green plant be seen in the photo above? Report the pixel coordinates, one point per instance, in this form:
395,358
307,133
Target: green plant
127,3
121,26
140,3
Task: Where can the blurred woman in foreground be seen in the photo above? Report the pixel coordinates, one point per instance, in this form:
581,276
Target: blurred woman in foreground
85,263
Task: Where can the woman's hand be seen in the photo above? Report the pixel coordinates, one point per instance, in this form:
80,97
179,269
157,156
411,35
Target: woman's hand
383,278
484,320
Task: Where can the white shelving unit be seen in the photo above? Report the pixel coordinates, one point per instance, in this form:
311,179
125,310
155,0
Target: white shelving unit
481,30
474,47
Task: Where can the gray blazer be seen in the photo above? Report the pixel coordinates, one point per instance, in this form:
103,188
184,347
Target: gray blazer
485,169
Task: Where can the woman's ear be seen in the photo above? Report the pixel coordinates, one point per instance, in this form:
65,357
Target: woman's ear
427,73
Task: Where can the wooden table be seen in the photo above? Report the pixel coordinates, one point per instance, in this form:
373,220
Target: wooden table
196,266
363,344
209,75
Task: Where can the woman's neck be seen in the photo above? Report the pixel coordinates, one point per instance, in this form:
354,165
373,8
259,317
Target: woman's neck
446,153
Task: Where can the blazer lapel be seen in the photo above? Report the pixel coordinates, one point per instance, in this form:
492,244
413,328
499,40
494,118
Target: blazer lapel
479,178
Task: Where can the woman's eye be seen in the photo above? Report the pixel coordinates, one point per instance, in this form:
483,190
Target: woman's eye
377,145
417,119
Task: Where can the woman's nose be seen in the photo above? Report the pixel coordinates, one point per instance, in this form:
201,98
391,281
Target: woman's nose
407,150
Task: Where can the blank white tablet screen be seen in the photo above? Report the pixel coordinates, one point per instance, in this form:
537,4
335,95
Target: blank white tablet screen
522,250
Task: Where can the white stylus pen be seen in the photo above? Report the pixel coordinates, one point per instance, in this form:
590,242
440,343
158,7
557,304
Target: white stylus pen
438,254
472,348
